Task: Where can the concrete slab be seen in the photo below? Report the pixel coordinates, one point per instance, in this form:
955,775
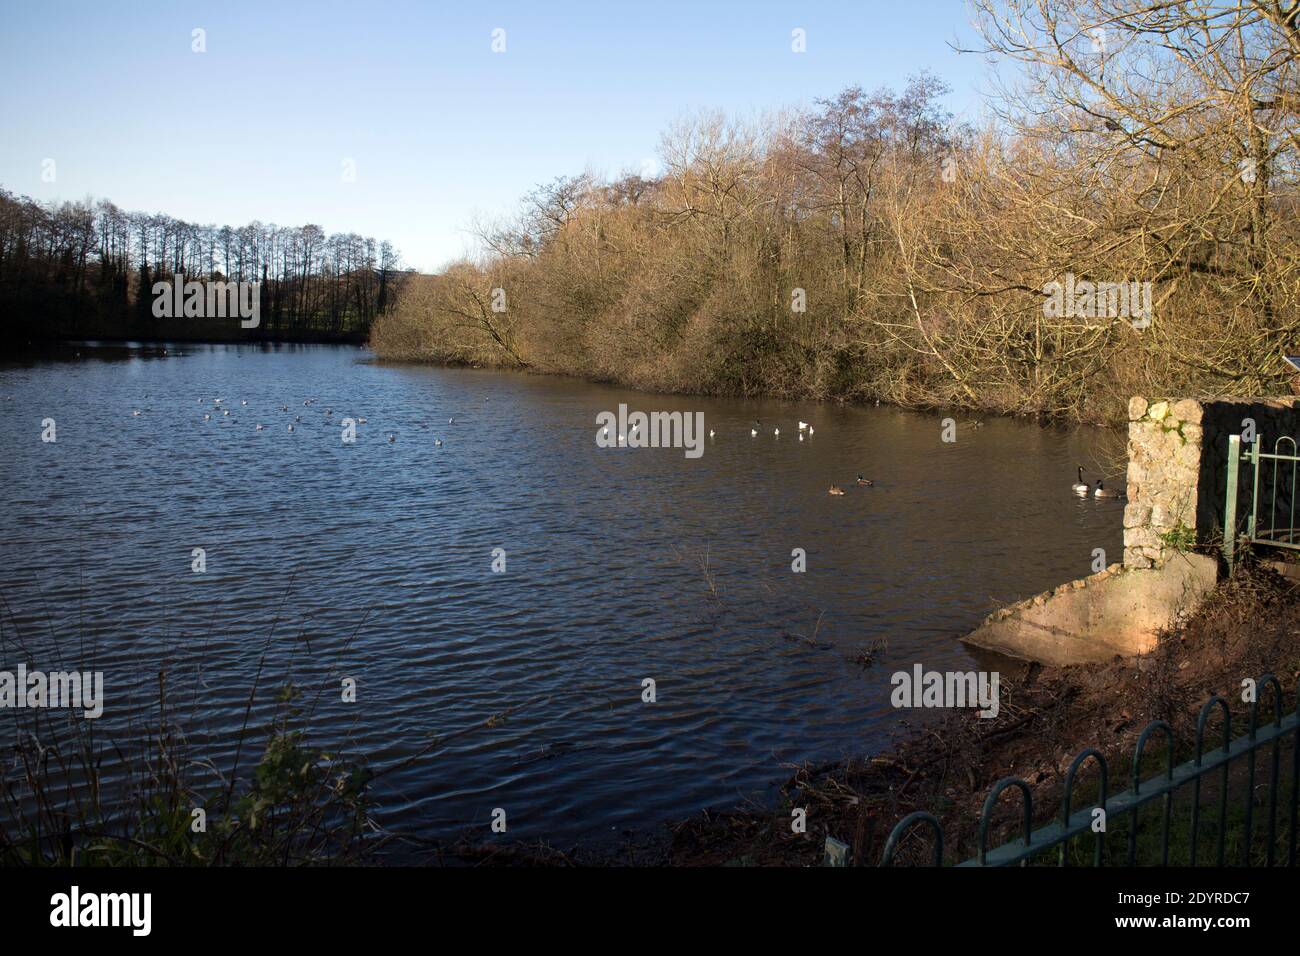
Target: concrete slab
1115,612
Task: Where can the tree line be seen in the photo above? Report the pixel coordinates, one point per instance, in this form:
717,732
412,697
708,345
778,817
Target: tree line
871,247
87,269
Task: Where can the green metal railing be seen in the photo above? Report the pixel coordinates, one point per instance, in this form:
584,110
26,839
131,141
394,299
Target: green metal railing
1280,492
1143,792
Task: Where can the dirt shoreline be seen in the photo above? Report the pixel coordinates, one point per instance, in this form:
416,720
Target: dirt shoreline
1249,626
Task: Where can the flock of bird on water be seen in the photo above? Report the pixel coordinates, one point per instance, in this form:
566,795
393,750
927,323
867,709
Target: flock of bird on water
1080,487
218,404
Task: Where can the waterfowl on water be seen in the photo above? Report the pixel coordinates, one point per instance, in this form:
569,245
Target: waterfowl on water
865,481
1081,486
206,416
136,412
810,431
437,442
290,428
710,432
243,401
776,433
753,433
835,490
392,438
1101,492
260,428
802,426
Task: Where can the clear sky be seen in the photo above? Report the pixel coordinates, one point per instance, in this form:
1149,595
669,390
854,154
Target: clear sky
438,126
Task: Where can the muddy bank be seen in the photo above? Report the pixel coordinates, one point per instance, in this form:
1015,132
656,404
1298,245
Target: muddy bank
1248,626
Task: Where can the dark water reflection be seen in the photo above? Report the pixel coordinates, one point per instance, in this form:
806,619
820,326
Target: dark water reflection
374,561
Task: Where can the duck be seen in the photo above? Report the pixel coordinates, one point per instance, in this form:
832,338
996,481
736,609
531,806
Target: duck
1081,486
835,490
226,412
776,433
391,439
136,412
206,416
437,443
802,426
243,401
753,433
801,436
361,420
1101,492
260,428
290,428
710,432
810,431
865,481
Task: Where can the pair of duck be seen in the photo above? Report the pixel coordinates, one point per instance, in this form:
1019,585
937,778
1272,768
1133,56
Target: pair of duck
1084,490
864,482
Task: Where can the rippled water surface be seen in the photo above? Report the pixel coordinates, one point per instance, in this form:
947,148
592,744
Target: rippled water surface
374,561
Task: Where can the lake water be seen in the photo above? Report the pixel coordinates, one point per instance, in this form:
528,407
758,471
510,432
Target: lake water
374,561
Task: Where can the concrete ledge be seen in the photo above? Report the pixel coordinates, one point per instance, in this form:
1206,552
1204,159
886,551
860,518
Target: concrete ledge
1114,612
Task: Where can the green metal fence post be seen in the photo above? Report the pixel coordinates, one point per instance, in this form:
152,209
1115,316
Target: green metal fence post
1230,502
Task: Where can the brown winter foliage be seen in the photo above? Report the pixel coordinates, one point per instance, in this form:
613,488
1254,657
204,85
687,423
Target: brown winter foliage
871,247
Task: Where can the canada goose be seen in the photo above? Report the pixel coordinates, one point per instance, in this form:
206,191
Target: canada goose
1100,492
1081,487
865,481
802,426
835,490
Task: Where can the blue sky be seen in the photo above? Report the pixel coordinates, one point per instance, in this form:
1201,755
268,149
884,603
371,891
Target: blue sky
440,128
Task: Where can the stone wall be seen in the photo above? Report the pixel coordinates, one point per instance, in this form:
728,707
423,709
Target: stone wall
1177,470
